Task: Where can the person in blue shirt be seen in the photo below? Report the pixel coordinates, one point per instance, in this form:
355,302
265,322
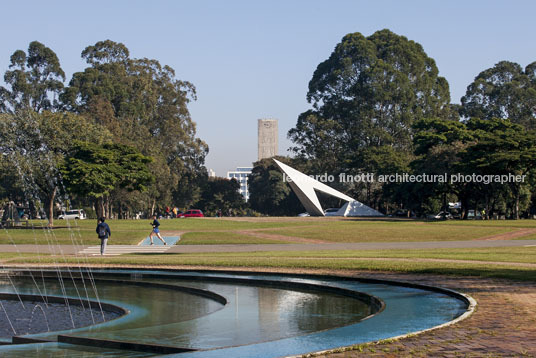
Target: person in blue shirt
156,231
103,230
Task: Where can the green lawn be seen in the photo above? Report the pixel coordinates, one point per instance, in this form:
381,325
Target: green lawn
211,231
222,237
385,231
524,223
385,260
82,232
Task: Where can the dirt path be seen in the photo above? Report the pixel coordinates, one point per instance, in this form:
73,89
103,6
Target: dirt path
510,235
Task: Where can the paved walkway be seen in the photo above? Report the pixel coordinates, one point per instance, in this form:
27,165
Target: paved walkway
114,250
73,249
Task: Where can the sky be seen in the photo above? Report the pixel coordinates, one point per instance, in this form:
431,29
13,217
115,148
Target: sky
254,59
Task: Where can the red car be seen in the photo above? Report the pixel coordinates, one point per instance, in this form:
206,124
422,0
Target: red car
194,213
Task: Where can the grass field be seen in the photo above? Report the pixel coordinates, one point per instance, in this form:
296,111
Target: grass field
512,262
269,230
221,237
385,231
418,261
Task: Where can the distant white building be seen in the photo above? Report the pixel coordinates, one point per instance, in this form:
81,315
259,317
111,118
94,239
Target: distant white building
211,173
241,176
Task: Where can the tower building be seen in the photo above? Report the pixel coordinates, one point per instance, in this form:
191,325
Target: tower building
267,138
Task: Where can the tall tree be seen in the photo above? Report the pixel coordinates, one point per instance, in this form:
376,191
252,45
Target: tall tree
145,106
35,80
368,94
504,91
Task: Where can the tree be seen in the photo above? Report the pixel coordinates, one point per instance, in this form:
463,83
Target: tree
10,184
95,171
34,144
381,160
36,79
503,148
368,94
488,147
504,91
220,194
439,145
144,106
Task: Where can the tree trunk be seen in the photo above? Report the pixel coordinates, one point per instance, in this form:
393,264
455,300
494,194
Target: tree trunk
516,208
516,191
49,206
99,207
463,200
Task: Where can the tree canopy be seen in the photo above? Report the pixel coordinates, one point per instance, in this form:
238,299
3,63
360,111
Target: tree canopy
35,80
504,91
137,103
368,93
35,144
96,170
143,105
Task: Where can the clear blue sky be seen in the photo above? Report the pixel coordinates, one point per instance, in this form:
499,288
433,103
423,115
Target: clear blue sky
254,59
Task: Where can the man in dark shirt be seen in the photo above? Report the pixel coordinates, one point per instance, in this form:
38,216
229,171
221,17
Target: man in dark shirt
103,230
156,231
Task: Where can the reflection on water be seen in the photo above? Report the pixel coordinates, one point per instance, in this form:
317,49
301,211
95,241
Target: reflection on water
256,321
253,314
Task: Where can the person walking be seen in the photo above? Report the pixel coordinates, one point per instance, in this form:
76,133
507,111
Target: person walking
104,232
156,231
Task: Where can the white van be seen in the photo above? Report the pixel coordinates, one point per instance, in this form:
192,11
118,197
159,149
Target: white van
73,214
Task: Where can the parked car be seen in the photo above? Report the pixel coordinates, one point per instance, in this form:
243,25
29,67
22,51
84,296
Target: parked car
442,215
192,213
303,215
77,214
402,213
474,215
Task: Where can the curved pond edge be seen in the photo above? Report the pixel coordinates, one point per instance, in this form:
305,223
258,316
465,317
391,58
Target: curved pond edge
467,300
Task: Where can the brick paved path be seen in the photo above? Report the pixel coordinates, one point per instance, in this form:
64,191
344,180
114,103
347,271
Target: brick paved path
504,324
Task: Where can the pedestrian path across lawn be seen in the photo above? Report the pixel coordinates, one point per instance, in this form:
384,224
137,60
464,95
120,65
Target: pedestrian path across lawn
144,247
170,240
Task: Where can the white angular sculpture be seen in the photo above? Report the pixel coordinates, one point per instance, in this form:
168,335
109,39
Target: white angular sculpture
305,188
